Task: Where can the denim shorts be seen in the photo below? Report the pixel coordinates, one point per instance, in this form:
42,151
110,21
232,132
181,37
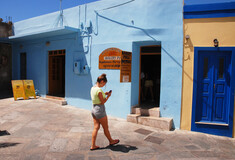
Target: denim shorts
98,111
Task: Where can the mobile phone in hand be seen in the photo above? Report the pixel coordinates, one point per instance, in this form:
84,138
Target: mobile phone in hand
110,91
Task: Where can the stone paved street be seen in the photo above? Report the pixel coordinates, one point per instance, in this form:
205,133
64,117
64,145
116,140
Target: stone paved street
42,130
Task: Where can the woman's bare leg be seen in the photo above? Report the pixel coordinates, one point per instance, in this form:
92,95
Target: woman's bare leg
104,122
95,132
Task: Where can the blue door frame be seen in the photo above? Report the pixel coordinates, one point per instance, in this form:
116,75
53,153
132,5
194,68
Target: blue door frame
205,118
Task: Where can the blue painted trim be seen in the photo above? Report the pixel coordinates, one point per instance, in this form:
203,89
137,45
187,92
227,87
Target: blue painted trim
209,10
212,129
196,50
209,14
209,7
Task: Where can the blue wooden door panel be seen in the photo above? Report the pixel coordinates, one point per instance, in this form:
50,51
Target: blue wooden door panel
204,88
205,109
220,107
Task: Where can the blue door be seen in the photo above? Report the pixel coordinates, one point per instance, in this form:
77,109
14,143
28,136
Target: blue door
212,112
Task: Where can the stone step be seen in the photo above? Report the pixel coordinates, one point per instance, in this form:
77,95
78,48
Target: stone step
153,112
133,118
156,122
57,100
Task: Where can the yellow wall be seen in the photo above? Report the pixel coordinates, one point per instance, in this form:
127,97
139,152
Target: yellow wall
202,32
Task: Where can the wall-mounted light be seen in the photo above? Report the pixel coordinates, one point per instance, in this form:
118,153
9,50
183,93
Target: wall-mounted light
216,43
21,46
132,22
187,37
48,43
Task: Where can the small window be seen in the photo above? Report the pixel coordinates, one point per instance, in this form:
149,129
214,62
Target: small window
205,68
57,52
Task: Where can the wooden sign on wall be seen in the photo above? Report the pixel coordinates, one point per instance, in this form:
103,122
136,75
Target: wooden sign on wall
114,58
110,59
125,70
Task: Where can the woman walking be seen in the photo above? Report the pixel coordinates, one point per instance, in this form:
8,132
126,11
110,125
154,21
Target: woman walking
99,98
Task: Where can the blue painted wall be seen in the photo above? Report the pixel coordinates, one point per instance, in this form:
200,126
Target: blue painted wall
124,24
209,9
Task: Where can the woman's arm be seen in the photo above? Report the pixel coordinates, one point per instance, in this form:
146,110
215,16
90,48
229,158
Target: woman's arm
102,99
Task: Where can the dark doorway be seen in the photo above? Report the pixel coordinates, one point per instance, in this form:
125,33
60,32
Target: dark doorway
150,75
57,73
23,66
5,70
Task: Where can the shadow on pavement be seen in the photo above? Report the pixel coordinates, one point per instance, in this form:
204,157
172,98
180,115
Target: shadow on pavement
121,148
4,145
4,133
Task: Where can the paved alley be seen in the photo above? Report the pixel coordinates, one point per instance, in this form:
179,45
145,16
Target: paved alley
43,130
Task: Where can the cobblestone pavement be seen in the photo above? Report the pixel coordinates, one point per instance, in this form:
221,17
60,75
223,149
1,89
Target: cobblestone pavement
42,130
